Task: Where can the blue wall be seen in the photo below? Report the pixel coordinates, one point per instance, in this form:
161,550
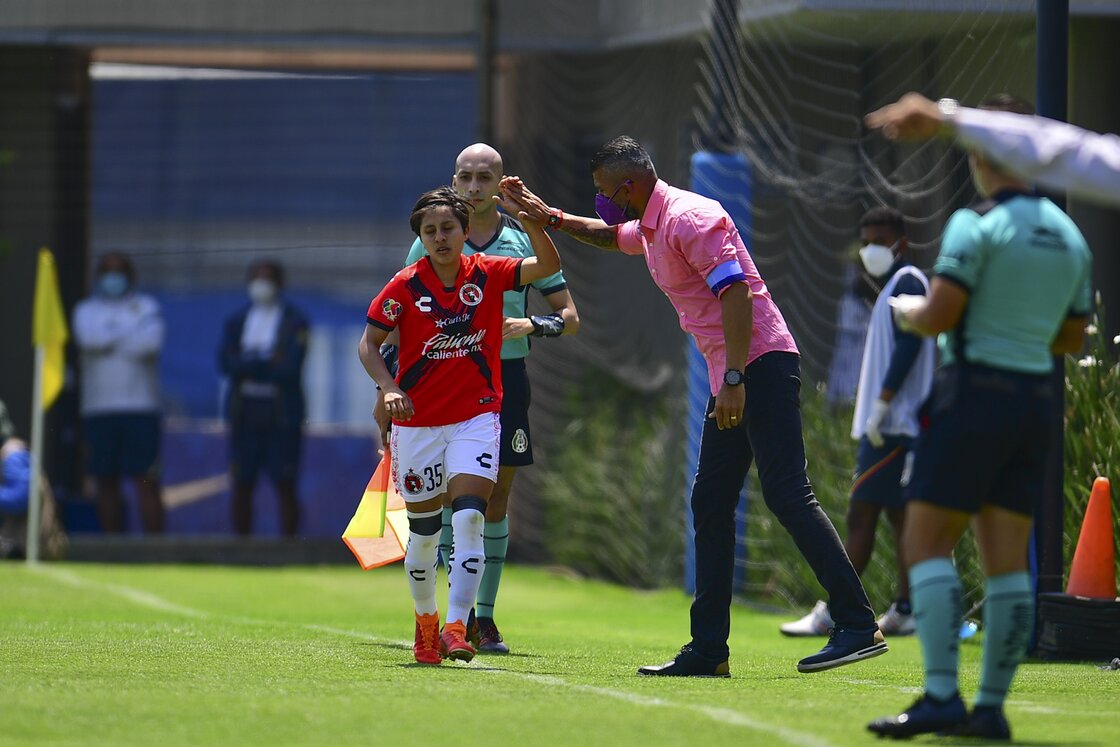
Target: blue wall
283,148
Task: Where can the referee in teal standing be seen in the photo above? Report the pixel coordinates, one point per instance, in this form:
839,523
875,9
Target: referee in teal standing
1010,290
478,169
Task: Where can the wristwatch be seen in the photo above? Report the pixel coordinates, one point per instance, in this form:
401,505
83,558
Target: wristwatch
948,109
733,377
555,218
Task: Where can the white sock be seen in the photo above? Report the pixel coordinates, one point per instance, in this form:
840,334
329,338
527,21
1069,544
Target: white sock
420,560
465,574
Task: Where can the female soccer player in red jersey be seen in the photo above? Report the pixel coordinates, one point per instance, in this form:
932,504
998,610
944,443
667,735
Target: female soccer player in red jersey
446,399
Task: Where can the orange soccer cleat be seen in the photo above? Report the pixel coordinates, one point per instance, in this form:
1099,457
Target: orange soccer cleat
454,640
426,649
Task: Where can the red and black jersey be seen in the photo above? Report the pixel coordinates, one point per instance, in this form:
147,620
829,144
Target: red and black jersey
451,338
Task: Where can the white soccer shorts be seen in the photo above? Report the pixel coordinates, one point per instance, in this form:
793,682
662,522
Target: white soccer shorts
425,459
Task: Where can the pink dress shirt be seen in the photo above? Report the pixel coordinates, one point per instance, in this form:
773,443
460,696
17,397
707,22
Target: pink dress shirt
688,241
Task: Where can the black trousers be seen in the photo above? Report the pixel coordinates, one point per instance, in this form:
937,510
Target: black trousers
770,435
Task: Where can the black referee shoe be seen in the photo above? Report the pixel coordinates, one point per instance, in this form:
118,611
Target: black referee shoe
688,663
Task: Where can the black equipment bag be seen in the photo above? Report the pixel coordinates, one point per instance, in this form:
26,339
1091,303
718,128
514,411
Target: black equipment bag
1072,627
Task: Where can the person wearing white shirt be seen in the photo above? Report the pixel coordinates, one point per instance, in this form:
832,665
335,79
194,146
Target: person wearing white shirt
261,355
895,379
1053,154
120,335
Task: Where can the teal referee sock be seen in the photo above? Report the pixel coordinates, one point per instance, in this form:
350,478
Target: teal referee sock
446,538
935,593
495,539
1008,607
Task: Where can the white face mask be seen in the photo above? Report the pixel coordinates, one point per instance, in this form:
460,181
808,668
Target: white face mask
262,291
877,259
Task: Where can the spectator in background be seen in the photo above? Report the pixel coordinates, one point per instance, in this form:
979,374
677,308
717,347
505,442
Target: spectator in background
894,380
261,353
15,481
120,334
15,490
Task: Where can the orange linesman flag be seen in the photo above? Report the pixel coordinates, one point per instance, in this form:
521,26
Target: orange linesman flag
378,533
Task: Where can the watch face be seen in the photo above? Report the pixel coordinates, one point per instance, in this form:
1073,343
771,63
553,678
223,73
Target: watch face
733,377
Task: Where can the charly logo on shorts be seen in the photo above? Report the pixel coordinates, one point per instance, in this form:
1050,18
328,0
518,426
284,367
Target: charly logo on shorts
413,484
470,294
520,442
391,308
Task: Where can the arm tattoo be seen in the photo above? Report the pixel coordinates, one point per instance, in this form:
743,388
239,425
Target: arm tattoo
604,237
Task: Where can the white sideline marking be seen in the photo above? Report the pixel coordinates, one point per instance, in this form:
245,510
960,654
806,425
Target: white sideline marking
142,598
720,715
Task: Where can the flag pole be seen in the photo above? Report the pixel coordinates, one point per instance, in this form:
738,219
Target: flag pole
35,490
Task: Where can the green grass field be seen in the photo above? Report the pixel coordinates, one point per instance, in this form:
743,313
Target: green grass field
144,655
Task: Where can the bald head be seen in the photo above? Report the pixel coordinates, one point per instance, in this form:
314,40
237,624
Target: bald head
478,169
478,155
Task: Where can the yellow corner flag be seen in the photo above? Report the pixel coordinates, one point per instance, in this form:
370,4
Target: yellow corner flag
48,327
378,533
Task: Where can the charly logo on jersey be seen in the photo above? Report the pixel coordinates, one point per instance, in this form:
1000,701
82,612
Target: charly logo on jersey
520,441
391,308
470,294
424,304
442,346
413,483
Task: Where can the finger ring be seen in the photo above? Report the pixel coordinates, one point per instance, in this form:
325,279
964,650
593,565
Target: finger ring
734,418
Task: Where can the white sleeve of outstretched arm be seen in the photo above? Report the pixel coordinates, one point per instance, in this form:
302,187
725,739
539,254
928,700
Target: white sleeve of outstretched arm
1054,154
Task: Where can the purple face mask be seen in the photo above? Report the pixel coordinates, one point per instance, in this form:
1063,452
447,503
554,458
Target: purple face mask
606,208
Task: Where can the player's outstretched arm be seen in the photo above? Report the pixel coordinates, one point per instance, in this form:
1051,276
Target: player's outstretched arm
591,231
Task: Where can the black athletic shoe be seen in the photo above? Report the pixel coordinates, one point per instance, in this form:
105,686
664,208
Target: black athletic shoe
928,714
985,722
490,641
688,663
845,647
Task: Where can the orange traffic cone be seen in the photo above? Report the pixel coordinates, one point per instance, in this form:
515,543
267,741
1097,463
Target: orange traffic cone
1093,573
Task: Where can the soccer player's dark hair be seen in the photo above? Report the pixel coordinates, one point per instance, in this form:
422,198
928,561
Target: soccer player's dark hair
440,197
623,155
119,258
466,501
271,267
883,215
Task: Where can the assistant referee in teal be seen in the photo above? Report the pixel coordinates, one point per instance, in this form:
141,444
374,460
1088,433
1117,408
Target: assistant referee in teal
1011,289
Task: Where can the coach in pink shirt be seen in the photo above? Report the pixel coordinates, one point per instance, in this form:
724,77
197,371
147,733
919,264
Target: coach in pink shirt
695,255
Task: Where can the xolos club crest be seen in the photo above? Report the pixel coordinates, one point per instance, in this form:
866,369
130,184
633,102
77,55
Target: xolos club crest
413,483
470,294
